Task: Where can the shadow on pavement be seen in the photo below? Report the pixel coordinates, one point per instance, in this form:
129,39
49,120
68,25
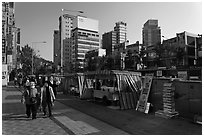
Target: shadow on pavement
15,117
13,97
131,121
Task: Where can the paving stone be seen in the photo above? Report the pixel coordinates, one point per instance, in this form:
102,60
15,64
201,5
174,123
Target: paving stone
65,121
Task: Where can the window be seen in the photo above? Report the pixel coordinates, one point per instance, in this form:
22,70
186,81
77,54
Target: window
81,55
3,59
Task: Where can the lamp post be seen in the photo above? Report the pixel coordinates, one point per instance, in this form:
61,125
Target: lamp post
61,39
32,43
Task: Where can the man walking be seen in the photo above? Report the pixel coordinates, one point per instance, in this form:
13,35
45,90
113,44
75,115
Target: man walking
47,98
30,100
54,84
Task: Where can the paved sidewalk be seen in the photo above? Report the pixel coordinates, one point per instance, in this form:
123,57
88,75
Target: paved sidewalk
65,121
131,121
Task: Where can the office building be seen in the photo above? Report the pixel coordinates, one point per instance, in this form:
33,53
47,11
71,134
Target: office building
109,41
85,37
65,27
151,33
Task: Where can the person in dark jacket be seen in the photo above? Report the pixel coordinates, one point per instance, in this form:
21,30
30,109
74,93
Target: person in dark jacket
29,99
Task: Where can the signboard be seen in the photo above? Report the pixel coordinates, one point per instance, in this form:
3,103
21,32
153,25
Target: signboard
183,75
101,52
4,74
86,23
159,73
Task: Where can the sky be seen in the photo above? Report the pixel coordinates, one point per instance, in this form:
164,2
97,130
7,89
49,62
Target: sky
38,20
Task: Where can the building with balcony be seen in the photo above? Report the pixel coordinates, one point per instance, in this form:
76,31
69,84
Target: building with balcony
121,32
181,51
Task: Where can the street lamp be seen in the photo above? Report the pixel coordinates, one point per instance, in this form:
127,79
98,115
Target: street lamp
32,43
61,40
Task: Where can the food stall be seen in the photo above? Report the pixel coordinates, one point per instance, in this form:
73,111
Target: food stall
114,86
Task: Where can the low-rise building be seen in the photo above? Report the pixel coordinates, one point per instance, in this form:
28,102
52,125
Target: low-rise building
178,52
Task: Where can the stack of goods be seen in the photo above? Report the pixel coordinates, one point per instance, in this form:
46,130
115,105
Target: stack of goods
168,102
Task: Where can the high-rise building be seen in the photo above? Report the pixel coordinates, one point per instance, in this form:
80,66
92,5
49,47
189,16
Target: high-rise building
57,51
10,36
85,37
151,33
109,41
121,32
65,27
8,22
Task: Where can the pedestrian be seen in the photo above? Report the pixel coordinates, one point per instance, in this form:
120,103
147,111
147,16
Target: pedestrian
20,80
47,98
27,83
53,84
29,99
15,80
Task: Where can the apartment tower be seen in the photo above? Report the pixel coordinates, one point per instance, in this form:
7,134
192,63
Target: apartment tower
121,32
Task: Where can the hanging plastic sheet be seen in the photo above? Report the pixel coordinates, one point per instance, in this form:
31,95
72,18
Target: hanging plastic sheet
128,98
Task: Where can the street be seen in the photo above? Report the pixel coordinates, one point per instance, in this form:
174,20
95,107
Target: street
65,121
80,117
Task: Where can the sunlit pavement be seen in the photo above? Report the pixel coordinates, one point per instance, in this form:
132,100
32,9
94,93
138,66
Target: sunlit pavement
75,116
65,120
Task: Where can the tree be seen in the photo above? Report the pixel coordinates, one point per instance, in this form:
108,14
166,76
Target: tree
39,64
26,59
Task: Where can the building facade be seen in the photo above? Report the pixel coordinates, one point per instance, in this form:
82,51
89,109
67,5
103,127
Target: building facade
109,42
181,51
121,32
56,51
8,22
184,48
151,33
10,37
133,48
85,37
65,28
